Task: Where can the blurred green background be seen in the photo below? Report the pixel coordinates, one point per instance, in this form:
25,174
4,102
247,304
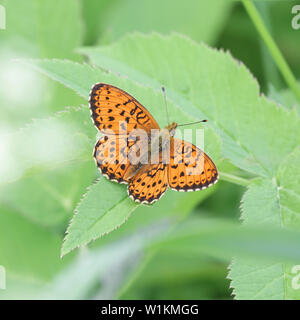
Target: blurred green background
35,209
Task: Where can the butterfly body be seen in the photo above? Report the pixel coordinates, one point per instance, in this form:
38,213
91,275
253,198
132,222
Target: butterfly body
153,149
136,151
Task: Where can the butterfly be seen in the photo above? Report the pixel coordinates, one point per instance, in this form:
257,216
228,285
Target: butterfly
179,164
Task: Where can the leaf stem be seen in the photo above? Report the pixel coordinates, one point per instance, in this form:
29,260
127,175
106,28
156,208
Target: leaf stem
273,48
234,179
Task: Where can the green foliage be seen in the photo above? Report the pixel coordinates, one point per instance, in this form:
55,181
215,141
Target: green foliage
31,23
44,262
174,248
230,100
94,218
193,86
31,33
217,237
153,17
279,199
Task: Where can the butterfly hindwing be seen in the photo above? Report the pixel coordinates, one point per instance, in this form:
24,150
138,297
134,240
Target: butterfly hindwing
114,110
111,154
149,184
190,169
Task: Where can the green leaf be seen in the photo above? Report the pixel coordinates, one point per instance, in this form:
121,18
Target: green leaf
224,239
49,197
47,143
230,101
261,193
281,203
285,97
257,280
48,165
106,206
30,33
289,99
144,225
80,78
243,119
171,208
289,190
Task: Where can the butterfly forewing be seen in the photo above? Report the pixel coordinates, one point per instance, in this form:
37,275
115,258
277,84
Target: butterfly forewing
114,110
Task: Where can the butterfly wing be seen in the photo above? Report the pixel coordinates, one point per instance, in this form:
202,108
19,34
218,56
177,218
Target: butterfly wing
111,156
149,184
190,169
116,110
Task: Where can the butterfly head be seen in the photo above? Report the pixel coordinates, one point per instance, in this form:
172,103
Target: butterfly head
172,128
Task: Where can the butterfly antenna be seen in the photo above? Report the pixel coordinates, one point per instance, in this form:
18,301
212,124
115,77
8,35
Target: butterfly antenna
165,98
186,124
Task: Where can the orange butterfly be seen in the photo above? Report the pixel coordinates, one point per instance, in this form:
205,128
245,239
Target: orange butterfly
126,158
